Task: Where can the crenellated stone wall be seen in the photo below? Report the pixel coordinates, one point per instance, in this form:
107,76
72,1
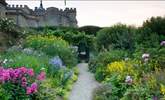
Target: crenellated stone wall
39,17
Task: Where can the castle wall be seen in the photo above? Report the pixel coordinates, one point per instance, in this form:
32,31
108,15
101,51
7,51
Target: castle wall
26,17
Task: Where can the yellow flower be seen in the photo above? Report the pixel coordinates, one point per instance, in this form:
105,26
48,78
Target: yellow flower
162,89
120,67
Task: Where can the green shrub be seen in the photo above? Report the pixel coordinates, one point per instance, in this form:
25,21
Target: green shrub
146,38
52,46
118,36
156,24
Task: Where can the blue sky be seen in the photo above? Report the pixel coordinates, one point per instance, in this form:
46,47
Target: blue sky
105,13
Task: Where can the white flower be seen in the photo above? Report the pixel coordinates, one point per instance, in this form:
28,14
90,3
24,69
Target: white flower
145,55
128,80
162,43
5,61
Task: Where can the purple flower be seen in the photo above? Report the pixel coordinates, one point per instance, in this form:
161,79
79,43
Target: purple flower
162,43
56,61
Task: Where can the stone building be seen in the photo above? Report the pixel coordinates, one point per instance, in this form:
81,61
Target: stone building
39,17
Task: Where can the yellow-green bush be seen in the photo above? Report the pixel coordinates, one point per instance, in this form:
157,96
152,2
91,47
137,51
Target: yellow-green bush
122,68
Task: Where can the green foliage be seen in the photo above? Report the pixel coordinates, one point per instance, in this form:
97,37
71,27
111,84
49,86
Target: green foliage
72,35
146,38
118,36
16,59
52,46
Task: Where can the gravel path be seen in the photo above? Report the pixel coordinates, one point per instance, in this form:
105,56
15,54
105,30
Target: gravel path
83,88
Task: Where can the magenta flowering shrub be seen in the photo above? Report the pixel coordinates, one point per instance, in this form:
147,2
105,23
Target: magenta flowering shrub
20,83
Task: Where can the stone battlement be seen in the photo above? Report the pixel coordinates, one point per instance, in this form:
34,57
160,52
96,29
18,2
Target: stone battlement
17,6
39,17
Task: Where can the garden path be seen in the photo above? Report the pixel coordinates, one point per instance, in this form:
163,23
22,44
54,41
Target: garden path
83,88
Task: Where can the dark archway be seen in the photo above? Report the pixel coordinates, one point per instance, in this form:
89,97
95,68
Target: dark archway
83,52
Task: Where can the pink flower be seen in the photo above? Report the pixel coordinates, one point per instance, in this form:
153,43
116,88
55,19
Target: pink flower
28,90
30,72
24,84
6,75
23,79
17,73
41,76
23,69
34,87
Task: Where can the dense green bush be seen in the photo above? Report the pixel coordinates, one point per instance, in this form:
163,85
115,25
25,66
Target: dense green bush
118,36
52,46
146,38
156,25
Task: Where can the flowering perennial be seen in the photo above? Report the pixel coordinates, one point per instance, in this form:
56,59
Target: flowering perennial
21,77
145,57
128,80
56,62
